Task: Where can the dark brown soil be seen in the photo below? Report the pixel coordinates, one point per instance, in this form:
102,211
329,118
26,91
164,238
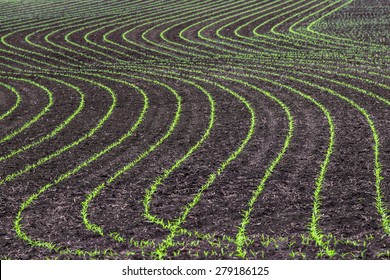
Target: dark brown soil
172,74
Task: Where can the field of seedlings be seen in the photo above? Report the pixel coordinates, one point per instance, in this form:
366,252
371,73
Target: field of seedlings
245,129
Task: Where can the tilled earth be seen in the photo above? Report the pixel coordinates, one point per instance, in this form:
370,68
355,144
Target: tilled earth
123,129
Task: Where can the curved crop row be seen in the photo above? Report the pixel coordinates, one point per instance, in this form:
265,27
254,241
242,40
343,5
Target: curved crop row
232,128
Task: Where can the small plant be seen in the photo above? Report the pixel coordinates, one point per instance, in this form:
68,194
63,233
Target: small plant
291,243
383,254
265,240
305,240
176,253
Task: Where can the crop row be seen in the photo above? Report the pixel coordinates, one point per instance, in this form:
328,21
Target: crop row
224,52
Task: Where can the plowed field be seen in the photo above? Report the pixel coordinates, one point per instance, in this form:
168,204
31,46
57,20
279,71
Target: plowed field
194,129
